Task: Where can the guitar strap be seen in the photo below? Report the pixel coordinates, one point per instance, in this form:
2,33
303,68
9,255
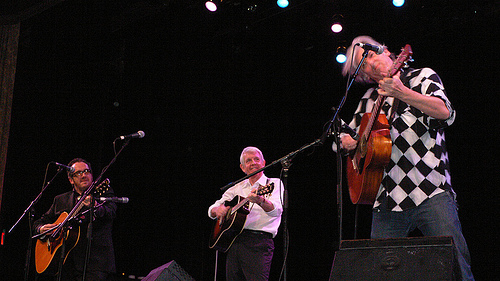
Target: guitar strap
394,108
395,104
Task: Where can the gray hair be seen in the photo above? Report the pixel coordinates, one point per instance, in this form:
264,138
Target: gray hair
351,64
250,149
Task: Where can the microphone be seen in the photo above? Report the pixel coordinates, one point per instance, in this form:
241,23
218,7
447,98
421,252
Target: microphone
68,168
122,200
138,135
369,47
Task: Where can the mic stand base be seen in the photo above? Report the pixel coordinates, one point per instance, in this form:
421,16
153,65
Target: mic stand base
31,218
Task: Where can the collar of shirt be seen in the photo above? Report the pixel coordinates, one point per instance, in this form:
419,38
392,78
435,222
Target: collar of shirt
261,181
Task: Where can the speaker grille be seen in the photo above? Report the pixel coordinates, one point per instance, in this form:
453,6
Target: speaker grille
168,272
422,258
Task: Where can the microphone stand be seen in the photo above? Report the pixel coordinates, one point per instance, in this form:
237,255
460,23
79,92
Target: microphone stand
31,211
89,236
335,124
91,210
289,156
285,166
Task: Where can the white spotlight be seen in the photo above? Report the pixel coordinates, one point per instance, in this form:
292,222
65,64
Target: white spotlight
211,6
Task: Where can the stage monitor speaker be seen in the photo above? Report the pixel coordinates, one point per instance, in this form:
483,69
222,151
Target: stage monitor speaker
168,272
418,258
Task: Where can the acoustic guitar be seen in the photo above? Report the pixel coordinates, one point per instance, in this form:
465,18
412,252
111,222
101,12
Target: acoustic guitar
365,167
229,227
48,248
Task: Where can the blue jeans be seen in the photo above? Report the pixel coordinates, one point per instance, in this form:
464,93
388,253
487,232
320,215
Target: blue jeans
436,216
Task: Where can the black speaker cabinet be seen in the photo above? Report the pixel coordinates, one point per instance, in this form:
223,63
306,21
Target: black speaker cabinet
420,258
168,272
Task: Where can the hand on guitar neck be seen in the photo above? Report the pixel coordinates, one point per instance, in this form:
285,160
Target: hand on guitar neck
221,212
88,201
255,196
432,106
391,87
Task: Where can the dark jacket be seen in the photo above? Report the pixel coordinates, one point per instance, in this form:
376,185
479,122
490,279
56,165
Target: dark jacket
102,257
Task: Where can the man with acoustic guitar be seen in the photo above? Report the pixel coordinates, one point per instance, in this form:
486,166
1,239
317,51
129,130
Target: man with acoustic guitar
248,237
48,251
414,189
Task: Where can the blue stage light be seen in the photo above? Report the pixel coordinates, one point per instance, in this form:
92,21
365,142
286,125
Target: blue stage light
340,54
283,3
398,3
341,58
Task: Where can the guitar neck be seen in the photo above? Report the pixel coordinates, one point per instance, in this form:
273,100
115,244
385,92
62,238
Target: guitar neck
396,66
262,190
375,112
239,205
102,187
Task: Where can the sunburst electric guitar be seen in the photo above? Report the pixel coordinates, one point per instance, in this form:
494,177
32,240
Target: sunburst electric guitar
228,228
48,248
365,167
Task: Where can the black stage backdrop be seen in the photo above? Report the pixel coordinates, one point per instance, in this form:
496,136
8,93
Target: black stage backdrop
204,86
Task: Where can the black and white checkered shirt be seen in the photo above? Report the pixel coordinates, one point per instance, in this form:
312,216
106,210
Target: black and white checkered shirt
419,167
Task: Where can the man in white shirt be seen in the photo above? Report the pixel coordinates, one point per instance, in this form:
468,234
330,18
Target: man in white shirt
249,256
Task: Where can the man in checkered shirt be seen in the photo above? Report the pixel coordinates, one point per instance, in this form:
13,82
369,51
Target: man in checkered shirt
416,188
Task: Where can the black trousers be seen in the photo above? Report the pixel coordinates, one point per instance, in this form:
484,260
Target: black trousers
250,257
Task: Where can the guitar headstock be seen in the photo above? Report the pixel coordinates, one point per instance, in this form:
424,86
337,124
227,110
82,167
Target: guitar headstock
402,59
102,188
268,188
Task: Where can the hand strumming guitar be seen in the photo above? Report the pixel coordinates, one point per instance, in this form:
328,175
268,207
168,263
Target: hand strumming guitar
348,143
46,227
220,212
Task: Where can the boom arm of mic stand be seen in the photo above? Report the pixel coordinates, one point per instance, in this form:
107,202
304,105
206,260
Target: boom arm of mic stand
284,158
33,203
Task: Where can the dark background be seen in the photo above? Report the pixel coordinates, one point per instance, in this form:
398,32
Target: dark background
204,86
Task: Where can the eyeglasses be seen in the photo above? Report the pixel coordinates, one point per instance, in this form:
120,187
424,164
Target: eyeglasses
79,173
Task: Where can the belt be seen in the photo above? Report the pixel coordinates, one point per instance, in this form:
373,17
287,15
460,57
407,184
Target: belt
258,232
